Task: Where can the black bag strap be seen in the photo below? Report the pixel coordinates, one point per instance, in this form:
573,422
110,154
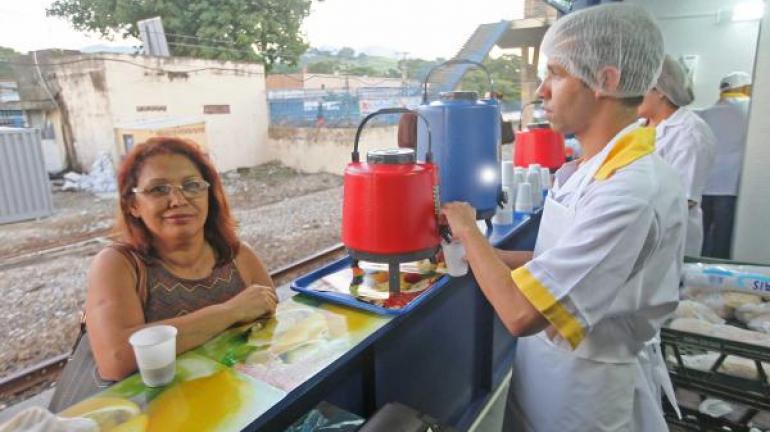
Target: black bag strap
138,263
80,378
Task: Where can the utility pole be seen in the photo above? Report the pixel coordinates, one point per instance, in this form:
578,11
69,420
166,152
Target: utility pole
402,66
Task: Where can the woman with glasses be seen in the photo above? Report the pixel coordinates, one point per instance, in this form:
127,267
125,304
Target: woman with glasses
178,262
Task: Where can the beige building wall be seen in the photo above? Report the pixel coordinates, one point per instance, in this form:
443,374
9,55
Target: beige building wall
230,97
325,149
84,106
236,118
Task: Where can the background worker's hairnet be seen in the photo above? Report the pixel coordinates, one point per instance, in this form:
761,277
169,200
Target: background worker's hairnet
674,83
622,36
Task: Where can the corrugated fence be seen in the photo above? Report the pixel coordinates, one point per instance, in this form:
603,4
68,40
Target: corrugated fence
25,192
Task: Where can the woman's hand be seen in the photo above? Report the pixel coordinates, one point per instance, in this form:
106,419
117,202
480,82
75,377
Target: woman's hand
253,302
461,218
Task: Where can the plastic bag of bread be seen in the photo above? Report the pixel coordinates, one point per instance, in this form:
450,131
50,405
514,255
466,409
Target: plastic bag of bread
732,365
693,309
692,325
722,331
760,324
724,304
749,312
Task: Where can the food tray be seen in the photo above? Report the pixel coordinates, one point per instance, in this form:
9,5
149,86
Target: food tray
305,285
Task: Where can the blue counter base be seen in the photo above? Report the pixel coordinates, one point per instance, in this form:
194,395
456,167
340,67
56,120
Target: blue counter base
443,358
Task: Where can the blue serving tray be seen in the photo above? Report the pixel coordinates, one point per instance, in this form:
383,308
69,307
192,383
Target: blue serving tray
302,284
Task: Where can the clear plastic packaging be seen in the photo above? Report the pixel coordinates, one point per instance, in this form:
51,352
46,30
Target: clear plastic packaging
727,277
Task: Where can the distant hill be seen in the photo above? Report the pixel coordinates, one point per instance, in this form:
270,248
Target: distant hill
92,49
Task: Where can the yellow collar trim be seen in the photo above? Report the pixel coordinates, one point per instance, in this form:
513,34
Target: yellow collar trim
733,95
632,146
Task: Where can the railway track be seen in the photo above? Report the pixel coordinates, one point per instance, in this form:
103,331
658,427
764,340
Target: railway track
45,373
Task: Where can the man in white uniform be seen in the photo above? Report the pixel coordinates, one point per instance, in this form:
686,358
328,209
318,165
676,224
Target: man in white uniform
683,140
604,274
728,119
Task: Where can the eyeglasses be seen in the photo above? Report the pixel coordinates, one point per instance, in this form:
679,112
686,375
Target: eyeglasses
190,189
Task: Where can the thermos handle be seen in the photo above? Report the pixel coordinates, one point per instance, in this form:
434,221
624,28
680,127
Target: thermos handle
453,62
354,155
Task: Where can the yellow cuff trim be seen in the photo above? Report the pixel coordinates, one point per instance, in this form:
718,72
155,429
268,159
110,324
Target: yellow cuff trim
565,323
630,147
729,94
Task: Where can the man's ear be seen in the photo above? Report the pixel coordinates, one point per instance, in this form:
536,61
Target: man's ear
609,80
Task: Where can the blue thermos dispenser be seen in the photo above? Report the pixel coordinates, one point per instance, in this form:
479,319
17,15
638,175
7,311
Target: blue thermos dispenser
466,145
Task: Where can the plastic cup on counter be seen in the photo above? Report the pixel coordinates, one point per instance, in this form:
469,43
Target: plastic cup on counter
523,199
506,169
503,217
454,257
155,351
533,178
545,176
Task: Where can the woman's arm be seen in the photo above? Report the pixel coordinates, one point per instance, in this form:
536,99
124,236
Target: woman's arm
514,259
114,312
252,269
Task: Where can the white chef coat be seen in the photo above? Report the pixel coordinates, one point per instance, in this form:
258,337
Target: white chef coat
729,120
605,274
686,143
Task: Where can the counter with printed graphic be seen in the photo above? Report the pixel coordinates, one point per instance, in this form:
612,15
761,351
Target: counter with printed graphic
444,358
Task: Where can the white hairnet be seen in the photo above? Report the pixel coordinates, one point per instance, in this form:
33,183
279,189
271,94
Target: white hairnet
734,80
623,36
674,83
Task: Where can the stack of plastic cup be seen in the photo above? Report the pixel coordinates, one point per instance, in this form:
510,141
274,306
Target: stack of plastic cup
533,178
545,180
504,216
520,172
523,200
509,180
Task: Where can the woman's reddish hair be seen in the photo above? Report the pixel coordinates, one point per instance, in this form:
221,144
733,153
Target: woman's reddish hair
219,229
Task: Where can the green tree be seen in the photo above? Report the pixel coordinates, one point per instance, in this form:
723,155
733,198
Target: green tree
346,53
363,71
250,30
6,55
324,67
505,72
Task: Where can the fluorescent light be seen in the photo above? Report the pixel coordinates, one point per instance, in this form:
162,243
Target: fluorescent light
749,11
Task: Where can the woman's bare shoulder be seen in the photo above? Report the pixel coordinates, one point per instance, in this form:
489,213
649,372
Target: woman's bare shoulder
250,265
111,264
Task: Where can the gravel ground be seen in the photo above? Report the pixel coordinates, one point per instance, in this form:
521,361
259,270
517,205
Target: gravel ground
283,214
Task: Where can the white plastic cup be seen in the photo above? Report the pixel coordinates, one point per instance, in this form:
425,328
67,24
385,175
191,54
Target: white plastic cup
533,178
155,351
524,199
520,176
506,168
503,217
454,257
520,171
545,177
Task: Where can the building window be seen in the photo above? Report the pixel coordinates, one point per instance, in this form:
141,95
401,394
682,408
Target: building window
216,109
148,108
128,142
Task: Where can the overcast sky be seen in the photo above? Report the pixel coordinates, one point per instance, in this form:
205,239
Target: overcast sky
422,28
